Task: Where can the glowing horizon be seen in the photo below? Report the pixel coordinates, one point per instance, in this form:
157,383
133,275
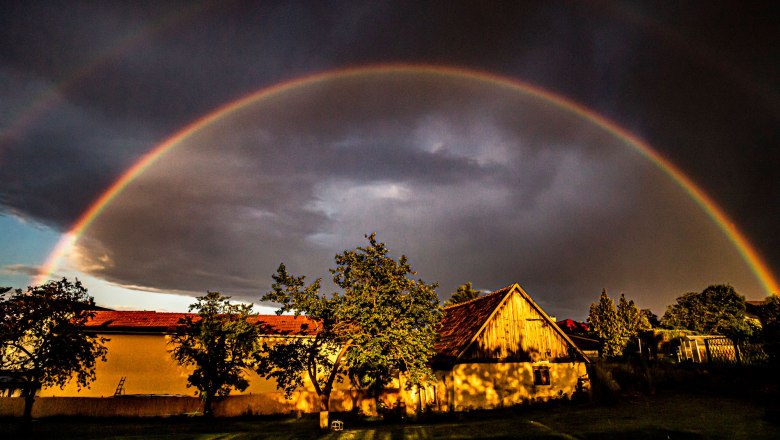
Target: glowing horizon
751,257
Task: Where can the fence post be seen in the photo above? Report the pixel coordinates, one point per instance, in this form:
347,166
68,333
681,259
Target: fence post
709,353
695,353
736,352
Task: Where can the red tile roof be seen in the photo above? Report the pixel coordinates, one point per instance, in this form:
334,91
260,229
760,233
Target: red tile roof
461,322
571,326
154,322
287,325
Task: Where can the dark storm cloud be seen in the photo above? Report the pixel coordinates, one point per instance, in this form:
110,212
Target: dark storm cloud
467,189
136,73
57,166
700,83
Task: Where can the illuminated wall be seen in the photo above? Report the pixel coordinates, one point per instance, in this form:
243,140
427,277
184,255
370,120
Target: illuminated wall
149,369
502,384
143,359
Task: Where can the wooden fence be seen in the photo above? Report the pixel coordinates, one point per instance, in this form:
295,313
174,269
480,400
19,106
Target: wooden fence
720,351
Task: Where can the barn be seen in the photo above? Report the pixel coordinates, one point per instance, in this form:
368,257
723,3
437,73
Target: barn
502,349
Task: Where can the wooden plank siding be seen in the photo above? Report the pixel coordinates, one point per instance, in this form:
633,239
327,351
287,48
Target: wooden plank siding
518,332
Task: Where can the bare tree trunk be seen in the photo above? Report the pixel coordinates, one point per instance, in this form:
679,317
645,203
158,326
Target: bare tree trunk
29,391
29,399
207,400
325,394
324,409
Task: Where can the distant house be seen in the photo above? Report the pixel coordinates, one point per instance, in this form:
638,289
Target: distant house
578,333
497,350
502,349
571,326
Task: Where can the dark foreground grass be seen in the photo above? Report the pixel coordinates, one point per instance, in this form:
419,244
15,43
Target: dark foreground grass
666,415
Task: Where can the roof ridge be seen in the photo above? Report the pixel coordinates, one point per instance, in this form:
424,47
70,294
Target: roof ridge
258,315
145,311
503,289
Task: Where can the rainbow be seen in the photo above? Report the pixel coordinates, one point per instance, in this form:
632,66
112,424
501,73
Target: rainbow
745,249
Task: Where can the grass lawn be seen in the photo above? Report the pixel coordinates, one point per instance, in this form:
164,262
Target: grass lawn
665,415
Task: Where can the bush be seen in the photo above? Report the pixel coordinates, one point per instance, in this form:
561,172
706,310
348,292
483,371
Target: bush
603,386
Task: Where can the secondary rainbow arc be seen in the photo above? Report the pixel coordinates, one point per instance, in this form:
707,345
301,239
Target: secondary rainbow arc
740,242
53,95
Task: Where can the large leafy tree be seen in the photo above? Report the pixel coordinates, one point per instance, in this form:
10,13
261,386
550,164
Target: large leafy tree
219,341
718,309
614,326
465,292
43,339
382,322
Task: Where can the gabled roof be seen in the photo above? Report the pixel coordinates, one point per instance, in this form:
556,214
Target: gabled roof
162,322
462,323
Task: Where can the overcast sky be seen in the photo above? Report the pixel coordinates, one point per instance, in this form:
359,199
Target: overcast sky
472,180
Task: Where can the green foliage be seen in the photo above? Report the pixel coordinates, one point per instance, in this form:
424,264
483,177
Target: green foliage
770,311
651,317
219,342
718,309
42,337
464,293
604,324
381,323
288,362
631,318
615,326
770,322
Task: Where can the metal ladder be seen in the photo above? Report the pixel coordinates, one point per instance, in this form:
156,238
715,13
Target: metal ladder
120,388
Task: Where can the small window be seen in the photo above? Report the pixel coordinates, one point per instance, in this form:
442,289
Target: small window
541,375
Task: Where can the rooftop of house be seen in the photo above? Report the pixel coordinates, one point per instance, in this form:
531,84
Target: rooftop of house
154,322
461,322
571,326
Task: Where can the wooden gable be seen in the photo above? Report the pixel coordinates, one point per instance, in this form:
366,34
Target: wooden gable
506,325
518,331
